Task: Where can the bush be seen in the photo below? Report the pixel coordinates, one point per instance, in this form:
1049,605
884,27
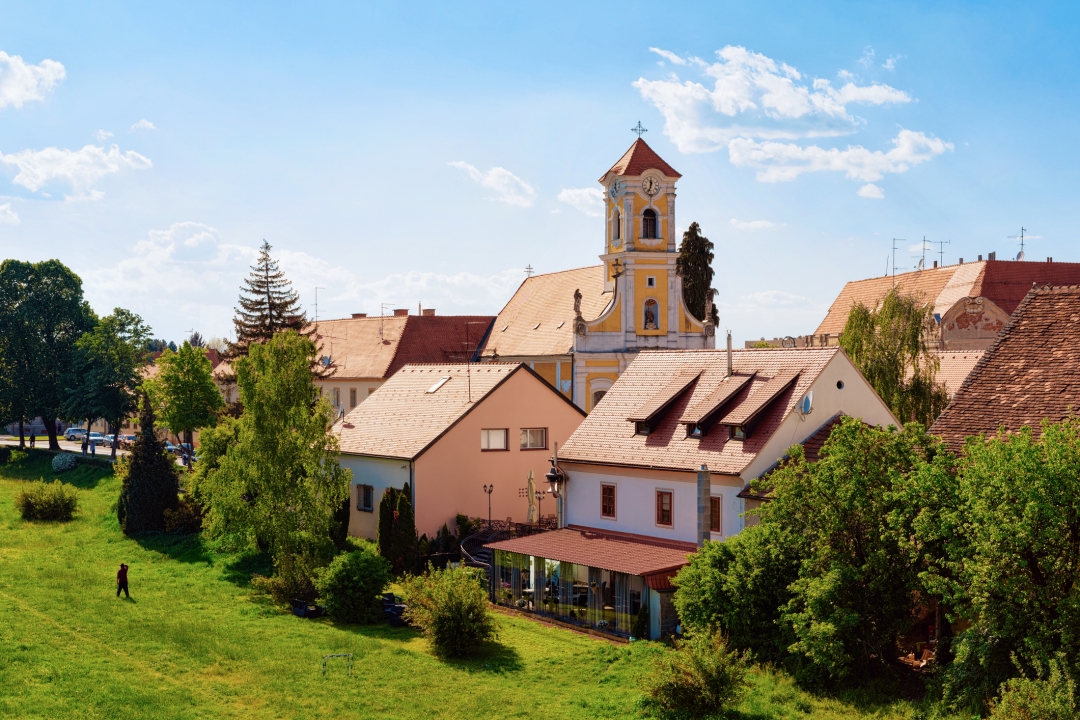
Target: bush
17,456
47,501
640,629
186,519
62,462
450,607
1052,698
350,586
293,579
699,678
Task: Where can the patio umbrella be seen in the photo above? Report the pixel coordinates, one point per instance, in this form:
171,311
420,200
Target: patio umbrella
531,491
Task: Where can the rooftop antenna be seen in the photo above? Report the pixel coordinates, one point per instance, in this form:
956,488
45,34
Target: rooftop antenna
470,351
922,259
894,241
382,314
1020,237
317,289
529,270
639,129
941,250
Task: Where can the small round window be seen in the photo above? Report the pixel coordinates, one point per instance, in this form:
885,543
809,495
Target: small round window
839,384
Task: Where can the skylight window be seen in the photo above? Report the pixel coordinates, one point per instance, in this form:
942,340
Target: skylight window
436,386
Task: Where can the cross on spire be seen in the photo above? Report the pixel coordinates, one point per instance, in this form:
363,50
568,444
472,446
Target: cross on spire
639,129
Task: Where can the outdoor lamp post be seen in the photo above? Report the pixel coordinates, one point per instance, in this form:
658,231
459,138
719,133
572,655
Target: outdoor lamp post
488,489
555,476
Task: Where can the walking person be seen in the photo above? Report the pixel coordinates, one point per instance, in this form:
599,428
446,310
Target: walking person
121,581
31,436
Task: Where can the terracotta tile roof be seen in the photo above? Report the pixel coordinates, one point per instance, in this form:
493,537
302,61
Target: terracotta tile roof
715,401
539,319
374,347
759,399
811,451
956,365
1031,372
618,552
667,395
402,418
639,158
606,437
1005,282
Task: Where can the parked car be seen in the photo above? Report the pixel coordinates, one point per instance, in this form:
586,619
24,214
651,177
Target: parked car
126,441
96,438
107,441
74,433
172,449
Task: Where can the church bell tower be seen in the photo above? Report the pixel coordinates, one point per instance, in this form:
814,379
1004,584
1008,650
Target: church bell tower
646,309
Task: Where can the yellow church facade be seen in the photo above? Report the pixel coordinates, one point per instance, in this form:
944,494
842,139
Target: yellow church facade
584,326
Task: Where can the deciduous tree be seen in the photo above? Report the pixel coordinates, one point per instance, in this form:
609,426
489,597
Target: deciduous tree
184,391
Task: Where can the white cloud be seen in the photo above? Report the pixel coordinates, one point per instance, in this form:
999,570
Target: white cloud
752,224
867,58
668,55
80,168
22,83
103,135
8,216
890,62
588,200
746,94
508,187
870,190
143,124
780,162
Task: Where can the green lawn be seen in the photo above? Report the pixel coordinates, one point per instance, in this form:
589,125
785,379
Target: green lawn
195,642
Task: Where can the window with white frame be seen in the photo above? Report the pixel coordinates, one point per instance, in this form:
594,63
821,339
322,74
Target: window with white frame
493,439
533,438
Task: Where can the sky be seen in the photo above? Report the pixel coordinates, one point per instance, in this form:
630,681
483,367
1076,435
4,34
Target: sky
401,155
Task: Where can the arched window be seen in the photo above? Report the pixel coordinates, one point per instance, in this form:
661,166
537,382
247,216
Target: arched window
650,314
616,228
648,223
597,396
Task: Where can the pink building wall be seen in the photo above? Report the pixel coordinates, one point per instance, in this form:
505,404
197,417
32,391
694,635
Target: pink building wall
450,476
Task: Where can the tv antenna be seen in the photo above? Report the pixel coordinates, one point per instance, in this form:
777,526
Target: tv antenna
470,352
922,259
529,270
1020,237
317,289
894,241
382,313
941,250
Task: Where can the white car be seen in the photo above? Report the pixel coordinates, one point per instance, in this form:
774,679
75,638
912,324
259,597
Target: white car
96,438
74,433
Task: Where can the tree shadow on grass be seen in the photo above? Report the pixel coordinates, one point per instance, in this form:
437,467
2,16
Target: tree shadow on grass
183,548
240,570
493,658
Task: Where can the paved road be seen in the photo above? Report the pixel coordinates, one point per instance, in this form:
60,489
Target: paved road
69,445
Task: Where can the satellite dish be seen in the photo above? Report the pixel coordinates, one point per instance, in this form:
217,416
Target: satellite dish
806,405
1020,255
922,263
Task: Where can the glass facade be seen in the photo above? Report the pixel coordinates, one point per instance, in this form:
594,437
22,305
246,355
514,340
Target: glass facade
601,599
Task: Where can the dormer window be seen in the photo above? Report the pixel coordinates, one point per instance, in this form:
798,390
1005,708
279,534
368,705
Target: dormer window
648,223
738,432
693,430
642,428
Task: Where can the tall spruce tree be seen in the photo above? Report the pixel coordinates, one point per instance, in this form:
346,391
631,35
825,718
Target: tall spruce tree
268,305
151,486
694,266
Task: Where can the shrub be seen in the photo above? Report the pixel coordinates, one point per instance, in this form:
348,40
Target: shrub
62,462
450,607
640,629
1050,698
47,501
350,586
150,484
18,456
5,453
186,519
699,678
293,578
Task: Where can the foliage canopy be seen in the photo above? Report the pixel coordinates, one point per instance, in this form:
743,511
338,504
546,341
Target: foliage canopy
694,266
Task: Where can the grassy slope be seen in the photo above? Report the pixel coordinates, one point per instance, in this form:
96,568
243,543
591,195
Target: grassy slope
194,642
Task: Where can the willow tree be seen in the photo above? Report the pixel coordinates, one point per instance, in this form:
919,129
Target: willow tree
694,266
889,345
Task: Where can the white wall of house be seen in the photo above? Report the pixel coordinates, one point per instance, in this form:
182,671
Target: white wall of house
380,473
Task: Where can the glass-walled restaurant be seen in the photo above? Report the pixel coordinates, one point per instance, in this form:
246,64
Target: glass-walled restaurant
604,600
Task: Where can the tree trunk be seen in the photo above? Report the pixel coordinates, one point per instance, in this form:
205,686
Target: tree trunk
22,438
50,428
86,437
189,440
115,437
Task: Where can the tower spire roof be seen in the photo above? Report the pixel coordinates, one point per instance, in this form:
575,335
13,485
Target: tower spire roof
639,158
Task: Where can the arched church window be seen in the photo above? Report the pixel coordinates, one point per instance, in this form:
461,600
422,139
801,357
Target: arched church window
648,223
616,230
598,396
650,314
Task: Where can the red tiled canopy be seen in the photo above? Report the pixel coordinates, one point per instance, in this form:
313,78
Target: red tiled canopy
615,551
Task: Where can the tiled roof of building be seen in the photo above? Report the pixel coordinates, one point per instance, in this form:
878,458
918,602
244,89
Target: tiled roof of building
1031,372
606,436
639,158
811,451
403,417
618,552
955,366
539,319
376,347
1003,281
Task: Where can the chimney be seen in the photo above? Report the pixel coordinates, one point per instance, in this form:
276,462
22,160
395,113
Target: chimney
401,312
728,354
1049,259
429,312
359,315
704,505
992,256
961,261
980,258
935,263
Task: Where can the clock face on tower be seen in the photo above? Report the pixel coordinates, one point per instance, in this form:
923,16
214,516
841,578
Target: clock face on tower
650,185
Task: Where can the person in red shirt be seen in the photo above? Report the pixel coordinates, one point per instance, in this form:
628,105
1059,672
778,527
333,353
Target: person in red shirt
121,581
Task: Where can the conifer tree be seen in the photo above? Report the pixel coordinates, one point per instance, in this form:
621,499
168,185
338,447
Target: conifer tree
268,305
397,530
150,486
694,266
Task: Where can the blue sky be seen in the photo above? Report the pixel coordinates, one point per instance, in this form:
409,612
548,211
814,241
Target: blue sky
427,154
